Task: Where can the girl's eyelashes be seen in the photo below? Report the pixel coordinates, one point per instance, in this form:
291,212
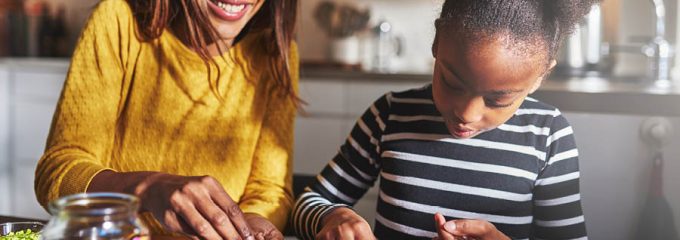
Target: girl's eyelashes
497,103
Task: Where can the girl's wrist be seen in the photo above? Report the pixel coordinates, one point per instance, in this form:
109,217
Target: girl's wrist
338,211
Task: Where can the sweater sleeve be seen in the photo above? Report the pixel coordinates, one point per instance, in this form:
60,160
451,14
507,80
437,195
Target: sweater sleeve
557,198
83,124
269,188
347,177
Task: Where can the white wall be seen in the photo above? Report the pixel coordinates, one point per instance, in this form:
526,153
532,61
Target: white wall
676,71
413,20
636,26
626,22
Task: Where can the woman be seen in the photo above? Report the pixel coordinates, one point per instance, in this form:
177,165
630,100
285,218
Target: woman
189,105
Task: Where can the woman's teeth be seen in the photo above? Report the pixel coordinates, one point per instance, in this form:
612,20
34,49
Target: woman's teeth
230,8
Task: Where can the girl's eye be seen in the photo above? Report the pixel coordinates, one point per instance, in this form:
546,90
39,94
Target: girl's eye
497,103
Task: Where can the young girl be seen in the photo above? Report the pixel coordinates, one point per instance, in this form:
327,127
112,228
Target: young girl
470,147
189,105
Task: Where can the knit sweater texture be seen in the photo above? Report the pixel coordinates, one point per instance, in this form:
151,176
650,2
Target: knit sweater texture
132,105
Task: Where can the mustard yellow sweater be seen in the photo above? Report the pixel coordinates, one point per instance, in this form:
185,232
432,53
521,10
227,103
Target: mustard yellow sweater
129,105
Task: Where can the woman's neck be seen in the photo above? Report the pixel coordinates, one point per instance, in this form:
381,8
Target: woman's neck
180,29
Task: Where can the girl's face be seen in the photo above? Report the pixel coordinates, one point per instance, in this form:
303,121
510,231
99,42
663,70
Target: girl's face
479,86
230,16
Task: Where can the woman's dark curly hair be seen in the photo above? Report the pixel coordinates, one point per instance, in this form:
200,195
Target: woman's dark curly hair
537,25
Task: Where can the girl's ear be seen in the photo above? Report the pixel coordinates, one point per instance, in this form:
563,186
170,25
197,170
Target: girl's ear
538,82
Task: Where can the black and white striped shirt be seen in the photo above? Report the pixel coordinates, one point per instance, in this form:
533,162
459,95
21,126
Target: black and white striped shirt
522,176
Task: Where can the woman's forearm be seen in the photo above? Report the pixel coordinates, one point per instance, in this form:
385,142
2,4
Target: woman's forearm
123,182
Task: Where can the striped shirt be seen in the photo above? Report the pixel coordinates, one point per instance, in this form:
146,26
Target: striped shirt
522,176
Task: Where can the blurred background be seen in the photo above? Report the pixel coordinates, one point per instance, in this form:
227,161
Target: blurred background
616,81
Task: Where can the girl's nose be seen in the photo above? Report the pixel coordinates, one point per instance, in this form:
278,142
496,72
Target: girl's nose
470,111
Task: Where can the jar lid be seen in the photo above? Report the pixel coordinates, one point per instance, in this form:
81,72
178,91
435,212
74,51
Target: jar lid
94,204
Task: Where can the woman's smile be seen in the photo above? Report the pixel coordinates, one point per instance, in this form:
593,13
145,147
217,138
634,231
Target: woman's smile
229,10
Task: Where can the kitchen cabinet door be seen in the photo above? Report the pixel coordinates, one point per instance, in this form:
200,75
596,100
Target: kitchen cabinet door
323,97
31,125
317,140
29,91
4,137
25,203
361,94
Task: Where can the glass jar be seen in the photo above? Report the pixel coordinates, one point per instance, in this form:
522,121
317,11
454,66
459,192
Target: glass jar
95,216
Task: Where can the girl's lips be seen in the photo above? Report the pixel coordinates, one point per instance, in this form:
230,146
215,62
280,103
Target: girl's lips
229,10
458,131
463,133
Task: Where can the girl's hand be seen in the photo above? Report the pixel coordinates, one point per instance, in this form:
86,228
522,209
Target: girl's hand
344,223
261,228
466,229
196,205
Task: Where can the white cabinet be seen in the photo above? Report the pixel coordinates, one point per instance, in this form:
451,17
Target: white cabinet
333,106
4,138
29,91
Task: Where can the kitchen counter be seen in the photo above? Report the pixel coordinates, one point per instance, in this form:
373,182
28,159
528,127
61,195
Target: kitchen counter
602,96
595,95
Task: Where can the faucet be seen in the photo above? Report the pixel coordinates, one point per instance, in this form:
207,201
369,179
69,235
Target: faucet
659,51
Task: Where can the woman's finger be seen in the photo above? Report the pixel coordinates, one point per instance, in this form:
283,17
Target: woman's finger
187,210
171,222
233,211
217,217
174,223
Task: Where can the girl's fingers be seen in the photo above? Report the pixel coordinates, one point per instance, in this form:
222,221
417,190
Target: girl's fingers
470,228
439,219
442,234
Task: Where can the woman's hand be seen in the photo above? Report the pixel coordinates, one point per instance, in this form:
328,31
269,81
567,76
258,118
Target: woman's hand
344,223
466,229
196,205
261,228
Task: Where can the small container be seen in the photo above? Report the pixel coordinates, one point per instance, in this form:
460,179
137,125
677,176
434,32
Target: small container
95,216
15,227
